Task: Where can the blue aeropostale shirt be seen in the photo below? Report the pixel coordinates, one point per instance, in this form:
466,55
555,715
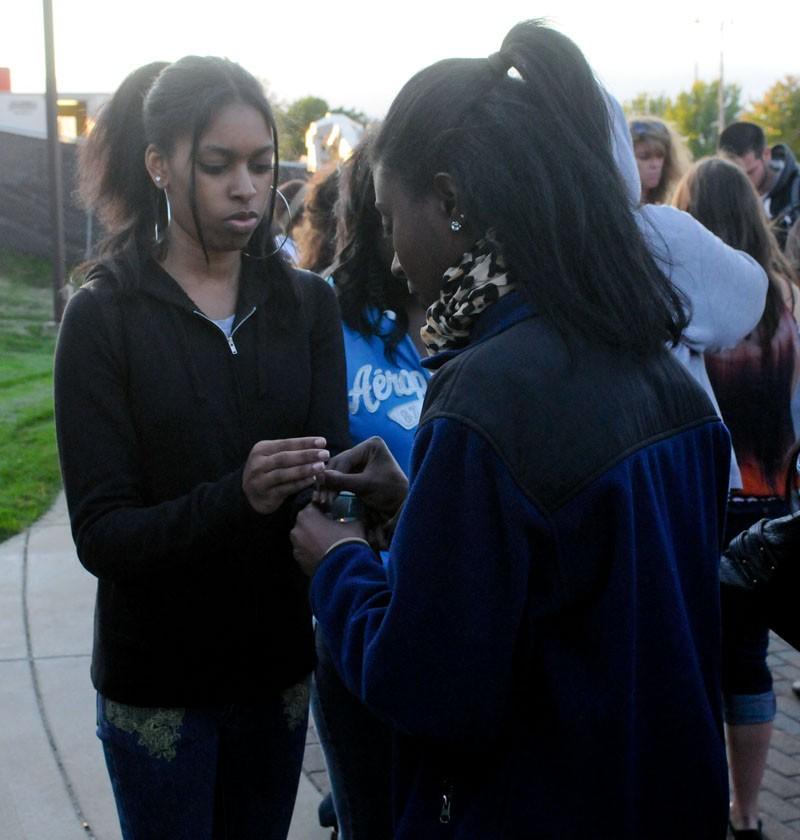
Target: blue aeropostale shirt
385,397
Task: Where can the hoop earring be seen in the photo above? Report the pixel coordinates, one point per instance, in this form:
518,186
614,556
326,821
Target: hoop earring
160,235
285,235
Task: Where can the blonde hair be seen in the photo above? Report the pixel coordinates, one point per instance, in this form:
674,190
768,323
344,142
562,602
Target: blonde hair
677,159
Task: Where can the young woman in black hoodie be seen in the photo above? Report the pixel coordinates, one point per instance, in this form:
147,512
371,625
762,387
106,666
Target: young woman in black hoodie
199,388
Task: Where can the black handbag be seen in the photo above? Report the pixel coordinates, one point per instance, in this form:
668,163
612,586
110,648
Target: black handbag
764,562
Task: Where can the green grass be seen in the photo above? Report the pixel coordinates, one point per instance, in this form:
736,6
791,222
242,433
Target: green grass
29,476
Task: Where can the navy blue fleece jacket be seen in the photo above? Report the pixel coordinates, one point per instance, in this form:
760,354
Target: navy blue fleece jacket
545,638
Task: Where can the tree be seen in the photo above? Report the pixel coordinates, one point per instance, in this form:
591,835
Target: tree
293,121
778,112
695,114
645,104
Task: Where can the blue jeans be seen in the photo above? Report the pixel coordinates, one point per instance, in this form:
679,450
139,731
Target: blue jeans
205,773
358,754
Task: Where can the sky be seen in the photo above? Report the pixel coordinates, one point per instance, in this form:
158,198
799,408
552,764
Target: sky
358,54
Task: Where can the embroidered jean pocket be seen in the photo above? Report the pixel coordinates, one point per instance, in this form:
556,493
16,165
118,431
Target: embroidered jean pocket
154,730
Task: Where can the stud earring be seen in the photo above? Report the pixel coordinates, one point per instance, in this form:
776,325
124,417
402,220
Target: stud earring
457,224
158,179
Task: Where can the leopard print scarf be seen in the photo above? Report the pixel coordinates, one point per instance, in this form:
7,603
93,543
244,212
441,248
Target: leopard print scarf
478,281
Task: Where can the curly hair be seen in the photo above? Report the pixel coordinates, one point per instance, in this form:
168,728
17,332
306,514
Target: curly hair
362,270
315,235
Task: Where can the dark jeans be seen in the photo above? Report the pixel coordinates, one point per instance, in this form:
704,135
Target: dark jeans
746,679
205,773
358,754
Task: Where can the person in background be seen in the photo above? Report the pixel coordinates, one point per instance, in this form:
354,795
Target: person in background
792,249
723,290
199,388
754,383
544,638
660,156
762,563
288,214
386,386
315,234
773,171
382,318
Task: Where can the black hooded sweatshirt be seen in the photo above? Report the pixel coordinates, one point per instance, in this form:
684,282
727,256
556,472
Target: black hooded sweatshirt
199,600
784,197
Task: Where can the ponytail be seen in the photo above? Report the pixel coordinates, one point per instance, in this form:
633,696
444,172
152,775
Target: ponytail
112,179
531,155
561,83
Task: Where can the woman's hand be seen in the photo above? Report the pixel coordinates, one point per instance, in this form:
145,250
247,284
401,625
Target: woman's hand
277,469
370,471
314,534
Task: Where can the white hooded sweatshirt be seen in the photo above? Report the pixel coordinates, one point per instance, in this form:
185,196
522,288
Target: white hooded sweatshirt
726,289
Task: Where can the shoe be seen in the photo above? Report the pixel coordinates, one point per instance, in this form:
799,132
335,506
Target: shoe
745,833
796,688
327,814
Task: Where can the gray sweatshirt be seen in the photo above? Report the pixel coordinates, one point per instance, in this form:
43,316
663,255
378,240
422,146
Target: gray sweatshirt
726,288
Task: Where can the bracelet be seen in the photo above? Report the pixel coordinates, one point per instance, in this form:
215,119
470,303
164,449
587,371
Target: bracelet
347,540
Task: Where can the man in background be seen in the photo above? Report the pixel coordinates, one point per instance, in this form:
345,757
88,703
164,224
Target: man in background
773,172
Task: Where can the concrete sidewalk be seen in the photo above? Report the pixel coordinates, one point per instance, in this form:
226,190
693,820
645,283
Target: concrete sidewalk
53,782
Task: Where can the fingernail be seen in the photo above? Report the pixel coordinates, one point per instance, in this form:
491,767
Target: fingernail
323,455
320,442
318,467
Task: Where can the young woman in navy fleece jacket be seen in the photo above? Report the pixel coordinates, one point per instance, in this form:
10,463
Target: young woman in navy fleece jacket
545,638
199,386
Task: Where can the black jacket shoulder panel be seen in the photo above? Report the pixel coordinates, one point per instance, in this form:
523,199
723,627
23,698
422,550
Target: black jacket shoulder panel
559,419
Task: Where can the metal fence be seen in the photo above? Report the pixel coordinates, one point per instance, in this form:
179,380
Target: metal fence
25,225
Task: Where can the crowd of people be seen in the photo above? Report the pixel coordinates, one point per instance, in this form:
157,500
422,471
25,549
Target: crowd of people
556,364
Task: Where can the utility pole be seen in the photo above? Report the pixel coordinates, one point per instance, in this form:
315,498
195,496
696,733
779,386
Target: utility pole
721,91
58,249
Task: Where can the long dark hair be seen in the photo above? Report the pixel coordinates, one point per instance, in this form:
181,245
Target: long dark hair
161,104
362,271
531,157
720,196
792,478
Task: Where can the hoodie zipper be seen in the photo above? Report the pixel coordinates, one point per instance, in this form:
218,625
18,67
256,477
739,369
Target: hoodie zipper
229,338
447,802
